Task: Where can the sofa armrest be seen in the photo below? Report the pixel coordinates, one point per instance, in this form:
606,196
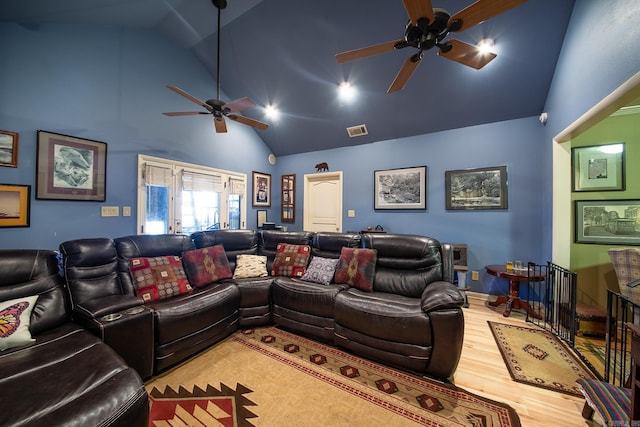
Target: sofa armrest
441,295
98,307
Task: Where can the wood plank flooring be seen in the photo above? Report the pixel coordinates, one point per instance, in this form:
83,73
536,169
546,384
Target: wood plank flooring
482,371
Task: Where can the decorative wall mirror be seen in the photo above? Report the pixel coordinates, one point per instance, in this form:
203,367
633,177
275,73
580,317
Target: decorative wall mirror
288,210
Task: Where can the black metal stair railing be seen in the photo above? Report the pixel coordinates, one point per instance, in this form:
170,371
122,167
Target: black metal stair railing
620,312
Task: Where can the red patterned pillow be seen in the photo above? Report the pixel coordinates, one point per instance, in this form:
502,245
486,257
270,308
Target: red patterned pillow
356,267
207,265
291,260
159,277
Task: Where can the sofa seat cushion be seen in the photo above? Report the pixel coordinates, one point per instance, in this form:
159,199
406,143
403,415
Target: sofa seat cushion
383,316
69,377
305,297
254,292
188,314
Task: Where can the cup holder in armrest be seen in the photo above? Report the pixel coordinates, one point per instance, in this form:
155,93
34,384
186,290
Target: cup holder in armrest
111,317
134,310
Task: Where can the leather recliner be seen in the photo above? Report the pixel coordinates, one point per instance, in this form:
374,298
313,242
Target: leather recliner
67,376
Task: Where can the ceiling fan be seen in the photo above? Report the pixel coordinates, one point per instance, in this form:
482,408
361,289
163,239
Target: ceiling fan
220,109
427,28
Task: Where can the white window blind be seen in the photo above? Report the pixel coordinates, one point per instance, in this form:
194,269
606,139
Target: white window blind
192,181
157,175
237,186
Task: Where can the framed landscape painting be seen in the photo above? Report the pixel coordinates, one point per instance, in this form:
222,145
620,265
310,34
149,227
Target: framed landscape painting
8,148
15,204
70,168
607,222
472,189
404,188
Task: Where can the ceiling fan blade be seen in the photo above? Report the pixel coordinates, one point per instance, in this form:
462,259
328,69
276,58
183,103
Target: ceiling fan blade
481,11
190,97
466,54
417,9
239,105
365,52
220,124
247,121
185,113
405,72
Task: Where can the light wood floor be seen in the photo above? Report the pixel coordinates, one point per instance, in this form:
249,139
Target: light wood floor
482,371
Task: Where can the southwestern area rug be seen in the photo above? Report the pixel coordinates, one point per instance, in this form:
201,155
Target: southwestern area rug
537,357
280,379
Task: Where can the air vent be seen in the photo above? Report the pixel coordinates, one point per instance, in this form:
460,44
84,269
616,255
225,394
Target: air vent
359,130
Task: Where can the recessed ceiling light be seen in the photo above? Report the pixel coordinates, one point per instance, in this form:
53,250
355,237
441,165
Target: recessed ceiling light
346,91
271,112
485,45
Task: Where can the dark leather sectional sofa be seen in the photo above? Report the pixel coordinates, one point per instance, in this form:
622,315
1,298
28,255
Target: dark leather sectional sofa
412,319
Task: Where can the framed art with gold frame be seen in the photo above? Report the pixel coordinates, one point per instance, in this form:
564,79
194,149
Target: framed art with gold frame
15,205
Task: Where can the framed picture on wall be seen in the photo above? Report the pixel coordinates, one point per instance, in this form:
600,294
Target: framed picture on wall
404,188
262,217
261,189
70,168
473,189
15,205
598,167
8,148
607,222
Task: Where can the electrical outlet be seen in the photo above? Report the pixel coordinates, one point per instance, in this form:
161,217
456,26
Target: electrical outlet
475,275
110,211
351,213
126,211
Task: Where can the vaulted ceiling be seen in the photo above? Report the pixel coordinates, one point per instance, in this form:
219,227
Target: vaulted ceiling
282,52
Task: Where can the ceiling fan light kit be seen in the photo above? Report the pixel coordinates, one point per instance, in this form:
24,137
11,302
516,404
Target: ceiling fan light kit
220,109
427,28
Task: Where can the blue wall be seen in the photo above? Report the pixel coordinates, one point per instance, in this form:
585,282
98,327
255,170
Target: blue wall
106,84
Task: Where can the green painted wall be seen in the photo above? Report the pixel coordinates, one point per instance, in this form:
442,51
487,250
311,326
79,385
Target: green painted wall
591,261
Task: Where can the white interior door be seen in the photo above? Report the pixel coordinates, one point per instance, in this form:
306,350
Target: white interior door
323,202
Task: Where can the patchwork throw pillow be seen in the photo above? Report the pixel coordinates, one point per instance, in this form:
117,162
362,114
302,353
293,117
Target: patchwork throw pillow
250,266
159,278
320,270
357,268
15,317
207,265
291,260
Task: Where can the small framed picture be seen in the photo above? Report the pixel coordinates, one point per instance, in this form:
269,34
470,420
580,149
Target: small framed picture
598,167
261,189
472,189
262,217
15,205
70,168
8,149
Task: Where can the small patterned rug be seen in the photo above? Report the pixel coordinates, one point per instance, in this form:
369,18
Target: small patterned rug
537,357
284,379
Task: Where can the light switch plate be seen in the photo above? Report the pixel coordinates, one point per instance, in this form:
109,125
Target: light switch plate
475,275
126,211
351,213
110,211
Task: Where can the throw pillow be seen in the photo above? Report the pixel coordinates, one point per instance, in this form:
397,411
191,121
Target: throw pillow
250,266
207,265
357,267
15,317
158,278
291,260
320,270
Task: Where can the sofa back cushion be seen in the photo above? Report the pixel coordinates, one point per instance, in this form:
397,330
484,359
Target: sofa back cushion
29,272
91,269
269,240
328,244
146,246
234,242
406,263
